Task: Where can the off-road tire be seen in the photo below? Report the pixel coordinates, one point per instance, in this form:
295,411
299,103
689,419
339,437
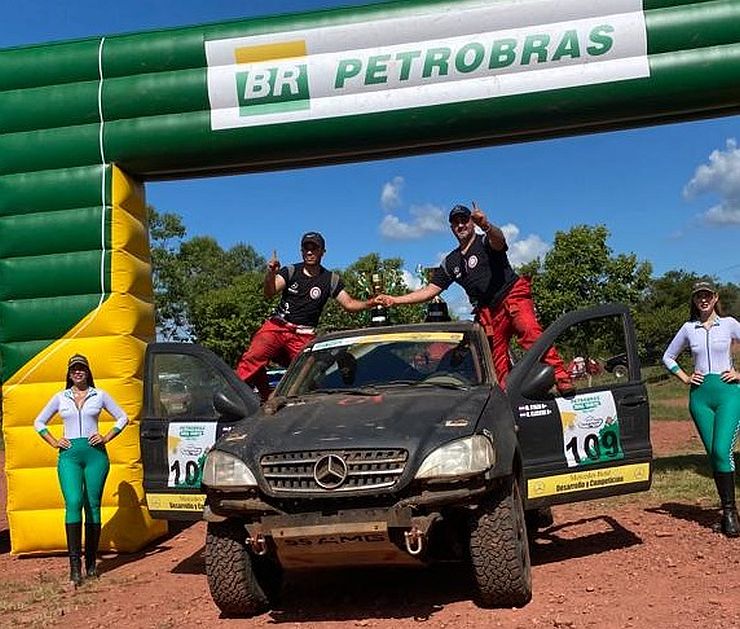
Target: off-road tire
240,583
499,551
620,371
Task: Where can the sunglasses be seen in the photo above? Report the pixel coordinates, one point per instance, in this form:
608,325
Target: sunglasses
704,294
459,220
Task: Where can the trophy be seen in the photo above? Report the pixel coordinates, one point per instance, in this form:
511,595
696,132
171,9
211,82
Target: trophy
437,307
378,313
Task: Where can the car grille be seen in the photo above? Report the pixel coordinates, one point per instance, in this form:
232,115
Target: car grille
294,472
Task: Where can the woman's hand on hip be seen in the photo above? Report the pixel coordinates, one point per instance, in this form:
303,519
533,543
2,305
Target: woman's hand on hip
730,376
96,439
64,444
696,378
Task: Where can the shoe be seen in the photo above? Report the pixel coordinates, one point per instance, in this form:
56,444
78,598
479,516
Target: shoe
566,390
92,539
730,523
74,546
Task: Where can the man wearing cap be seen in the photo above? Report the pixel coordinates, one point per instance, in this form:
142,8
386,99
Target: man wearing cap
306,287
502,300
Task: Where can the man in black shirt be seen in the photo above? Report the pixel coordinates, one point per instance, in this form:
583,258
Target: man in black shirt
306,287
502,300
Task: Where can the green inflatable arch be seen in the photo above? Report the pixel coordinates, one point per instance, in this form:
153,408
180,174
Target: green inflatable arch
84,124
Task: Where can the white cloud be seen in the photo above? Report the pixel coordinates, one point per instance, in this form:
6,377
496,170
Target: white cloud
523,251
721,176
390,197
424,219
412,279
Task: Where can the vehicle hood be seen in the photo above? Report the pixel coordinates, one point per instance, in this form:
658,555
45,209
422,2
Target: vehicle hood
418,420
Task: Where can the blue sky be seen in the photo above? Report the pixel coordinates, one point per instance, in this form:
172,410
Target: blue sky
670,194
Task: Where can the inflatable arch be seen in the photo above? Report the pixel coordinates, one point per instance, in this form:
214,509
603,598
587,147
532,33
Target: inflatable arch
83,124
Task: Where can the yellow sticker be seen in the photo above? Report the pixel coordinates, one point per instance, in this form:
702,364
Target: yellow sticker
587,480
450,337
175,502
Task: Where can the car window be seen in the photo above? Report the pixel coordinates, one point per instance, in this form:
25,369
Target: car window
594,352
184,386
399,359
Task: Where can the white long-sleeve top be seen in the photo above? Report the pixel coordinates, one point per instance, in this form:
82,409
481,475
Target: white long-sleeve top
711,348
81,422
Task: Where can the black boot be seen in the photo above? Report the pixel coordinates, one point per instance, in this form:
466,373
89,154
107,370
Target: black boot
74,546
92,539
725,482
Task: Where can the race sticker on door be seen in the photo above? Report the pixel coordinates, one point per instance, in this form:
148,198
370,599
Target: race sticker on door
187,446
590,429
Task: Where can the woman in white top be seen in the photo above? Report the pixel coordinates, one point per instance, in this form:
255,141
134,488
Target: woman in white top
714,399
83,462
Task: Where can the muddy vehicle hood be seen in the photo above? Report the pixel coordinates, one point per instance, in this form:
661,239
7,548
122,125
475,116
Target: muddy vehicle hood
418,420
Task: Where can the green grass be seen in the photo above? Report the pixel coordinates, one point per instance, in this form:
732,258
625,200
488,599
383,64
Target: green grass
669,399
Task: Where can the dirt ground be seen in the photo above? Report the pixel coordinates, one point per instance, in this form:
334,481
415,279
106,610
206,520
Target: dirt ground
637,564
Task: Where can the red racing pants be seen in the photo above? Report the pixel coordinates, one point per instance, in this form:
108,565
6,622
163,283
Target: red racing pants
515,315
275,341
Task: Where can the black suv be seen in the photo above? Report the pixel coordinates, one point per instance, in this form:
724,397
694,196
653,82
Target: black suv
392,445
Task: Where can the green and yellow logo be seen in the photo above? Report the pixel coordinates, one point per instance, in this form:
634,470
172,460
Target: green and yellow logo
276,79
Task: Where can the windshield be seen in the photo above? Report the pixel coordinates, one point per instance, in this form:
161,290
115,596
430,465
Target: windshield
371,362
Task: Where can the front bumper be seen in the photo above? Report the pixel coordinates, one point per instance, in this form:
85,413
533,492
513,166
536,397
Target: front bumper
396,534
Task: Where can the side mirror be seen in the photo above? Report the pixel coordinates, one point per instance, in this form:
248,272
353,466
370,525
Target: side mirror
539,381
227,408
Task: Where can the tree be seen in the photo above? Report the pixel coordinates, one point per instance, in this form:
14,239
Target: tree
188,272
665,307
580,270
226,318
166,232
357,282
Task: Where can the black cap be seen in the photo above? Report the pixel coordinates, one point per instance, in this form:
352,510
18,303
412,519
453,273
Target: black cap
78,359
703,285
314,237
459,210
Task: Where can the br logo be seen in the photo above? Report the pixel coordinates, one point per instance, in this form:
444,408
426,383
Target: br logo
272,78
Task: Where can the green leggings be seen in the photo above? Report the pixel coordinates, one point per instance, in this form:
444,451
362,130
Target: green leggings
715,408
82,470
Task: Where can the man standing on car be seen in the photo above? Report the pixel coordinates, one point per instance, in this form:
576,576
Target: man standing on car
502,300
306,287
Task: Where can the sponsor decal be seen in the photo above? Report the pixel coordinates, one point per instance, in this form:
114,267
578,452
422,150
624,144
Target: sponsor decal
315,292
472,262
482,50
187,447
537,409
591,432
431,337
588,479
175,502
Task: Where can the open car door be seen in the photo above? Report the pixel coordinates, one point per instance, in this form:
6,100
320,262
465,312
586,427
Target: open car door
191,398
595,443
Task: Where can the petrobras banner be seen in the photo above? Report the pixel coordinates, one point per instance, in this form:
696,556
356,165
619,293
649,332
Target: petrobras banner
436,55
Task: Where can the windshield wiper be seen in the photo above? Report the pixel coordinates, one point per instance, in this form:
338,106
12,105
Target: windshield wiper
395,383
368,390
446,385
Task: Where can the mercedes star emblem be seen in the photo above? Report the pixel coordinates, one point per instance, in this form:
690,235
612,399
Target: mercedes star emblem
330,471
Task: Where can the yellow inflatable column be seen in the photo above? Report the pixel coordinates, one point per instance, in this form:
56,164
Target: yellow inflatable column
114,337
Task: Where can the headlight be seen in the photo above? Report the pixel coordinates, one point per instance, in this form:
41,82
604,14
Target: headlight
463,457
225,471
